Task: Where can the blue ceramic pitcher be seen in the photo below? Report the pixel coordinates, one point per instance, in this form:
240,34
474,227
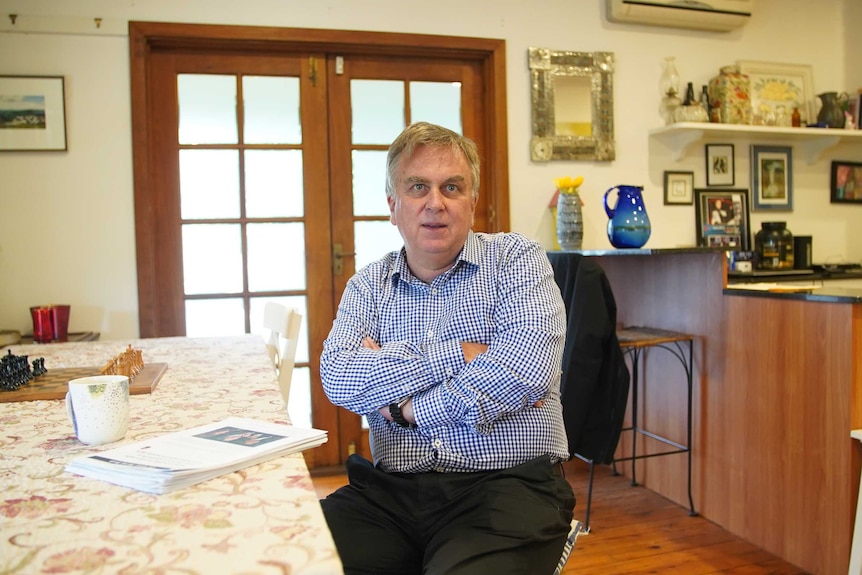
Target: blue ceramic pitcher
629,225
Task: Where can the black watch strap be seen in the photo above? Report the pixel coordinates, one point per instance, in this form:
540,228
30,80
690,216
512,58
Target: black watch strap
397,416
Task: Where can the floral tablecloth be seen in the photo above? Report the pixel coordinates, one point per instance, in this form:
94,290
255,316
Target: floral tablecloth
263,519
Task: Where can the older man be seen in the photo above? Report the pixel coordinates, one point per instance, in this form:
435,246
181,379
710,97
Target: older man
451,348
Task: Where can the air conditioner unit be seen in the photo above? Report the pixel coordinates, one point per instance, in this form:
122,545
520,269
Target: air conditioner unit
713,15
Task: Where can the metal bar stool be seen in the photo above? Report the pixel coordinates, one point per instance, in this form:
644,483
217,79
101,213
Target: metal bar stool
633,341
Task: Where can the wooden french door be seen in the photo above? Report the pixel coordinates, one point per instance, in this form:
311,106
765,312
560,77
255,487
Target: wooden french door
284,215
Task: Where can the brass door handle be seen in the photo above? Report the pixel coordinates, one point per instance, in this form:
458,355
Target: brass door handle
338,255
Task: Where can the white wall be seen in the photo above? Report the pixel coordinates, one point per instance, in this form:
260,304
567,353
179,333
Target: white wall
67,220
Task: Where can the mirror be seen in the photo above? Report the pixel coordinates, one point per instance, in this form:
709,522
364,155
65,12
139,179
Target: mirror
573,105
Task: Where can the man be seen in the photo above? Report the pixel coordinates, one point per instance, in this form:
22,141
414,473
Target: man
451,348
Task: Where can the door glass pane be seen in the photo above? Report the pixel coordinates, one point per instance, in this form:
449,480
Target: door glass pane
276,257
377,109
209,184
212,258
373,240
207,109
369,183
271,110
212,317
436,102
273,183
299,405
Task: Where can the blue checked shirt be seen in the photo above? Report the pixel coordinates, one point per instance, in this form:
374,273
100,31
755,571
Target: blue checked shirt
473,416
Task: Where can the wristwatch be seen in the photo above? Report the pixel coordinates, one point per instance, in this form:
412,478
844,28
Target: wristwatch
397,416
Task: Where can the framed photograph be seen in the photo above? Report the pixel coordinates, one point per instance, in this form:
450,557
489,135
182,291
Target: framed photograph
678,188
772,177
775,84
721,218
719,165
32,113
846,182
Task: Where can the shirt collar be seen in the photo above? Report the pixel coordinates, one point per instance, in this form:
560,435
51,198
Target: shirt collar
469,254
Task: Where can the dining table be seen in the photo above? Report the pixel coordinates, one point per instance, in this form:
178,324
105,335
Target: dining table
265,518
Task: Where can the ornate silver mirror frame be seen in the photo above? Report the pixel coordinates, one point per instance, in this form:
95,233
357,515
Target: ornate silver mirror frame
546,66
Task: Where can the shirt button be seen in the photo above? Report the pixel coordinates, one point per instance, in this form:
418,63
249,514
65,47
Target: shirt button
430,333
433,291
439,470
438,443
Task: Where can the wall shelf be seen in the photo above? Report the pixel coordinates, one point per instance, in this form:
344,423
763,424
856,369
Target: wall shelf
812,141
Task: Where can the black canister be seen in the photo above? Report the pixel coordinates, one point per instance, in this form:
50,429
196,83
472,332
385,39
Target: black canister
802,250
774,246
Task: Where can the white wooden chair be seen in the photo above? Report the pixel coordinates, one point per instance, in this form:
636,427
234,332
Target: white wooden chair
283,325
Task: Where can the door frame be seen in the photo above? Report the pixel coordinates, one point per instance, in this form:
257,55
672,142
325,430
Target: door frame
146,38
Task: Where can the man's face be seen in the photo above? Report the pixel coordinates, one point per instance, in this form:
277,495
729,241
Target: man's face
433,208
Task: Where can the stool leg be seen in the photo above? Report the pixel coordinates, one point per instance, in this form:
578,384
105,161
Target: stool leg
689,368
589,496
635,360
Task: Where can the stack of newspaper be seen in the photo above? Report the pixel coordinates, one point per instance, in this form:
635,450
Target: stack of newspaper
176,460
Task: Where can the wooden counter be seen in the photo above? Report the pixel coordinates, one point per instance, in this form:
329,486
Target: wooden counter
777,383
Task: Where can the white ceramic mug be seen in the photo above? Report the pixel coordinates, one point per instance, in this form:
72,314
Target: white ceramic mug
98,407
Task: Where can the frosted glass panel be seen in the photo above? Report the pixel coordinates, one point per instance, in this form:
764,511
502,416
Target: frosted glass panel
273,183
299,405
207,109
436,102
276,257
215,317
212,258
209,184
369,183
378,110
298,302
271,110
373,240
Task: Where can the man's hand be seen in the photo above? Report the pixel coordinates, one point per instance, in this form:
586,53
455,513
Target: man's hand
471,350
369,343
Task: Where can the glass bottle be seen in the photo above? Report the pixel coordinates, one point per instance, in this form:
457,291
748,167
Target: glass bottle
689,95
704,98
796,118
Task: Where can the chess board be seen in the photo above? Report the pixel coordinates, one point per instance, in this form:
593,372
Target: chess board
54,384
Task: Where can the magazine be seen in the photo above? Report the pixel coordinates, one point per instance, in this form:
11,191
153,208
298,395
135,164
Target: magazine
176,460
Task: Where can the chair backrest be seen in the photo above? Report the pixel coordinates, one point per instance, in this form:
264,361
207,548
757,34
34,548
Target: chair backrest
283,325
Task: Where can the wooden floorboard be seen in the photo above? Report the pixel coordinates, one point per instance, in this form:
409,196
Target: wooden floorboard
635,531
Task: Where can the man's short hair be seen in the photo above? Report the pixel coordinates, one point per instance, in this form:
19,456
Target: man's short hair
433,136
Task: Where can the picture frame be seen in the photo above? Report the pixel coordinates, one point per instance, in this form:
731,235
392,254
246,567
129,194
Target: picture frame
774,84
678,188
720,167
32,113
772,177
845,183
722,218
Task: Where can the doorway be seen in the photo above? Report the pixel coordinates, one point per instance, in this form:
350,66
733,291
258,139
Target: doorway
258,165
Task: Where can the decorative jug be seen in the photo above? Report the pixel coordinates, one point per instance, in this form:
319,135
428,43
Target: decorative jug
832,109
629,225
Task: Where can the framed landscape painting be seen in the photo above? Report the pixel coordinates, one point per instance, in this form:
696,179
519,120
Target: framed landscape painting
32,113
775,85
772,177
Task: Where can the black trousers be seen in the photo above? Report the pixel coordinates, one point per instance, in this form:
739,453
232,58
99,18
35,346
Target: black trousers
512,521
